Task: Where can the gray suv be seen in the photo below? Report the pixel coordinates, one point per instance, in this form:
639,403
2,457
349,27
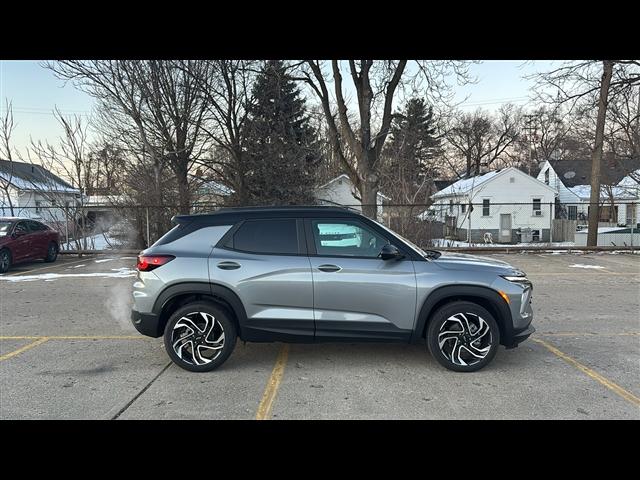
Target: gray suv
320,274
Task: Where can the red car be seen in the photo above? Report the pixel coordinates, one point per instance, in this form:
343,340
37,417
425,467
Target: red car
22,240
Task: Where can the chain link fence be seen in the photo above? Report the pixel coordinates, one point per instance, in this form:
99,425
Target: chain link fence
440,225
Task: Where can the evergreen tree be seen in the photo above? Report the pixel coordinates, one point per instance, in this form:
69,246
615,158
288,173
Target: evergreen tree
413,144
282,149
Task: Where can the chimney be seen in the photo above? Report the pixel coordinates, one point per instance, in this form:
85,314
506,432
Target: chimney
484,168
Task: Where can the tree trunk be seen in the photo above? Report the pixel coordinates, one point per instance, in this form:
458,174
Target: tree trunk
596,157
369,196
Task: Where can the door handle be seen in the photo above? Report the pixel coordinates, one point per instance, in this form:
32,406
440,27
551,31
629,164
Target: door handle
329,268
228,265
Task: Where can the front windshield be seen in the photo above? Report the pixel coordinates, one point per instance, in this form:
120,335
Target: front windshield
408,242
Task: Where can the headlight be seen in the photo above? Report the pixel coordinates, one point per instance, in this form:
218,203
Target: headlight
516,278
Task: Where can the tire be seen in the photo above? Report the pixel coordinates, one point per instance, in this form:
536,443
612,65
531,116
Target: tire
459,351
215,324
5,260
52,252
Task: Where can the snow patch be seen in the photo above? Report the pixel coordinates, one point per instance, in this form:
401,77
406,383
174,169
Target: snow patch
581,265
121,273
104,260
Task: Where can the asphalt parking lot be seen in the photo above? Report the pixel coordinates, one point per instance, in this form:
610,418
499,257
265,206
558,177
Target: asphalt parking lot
68,351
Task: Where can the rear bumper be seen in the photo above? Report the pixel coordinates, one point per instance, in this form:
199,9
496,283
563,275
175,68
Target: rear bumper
146,323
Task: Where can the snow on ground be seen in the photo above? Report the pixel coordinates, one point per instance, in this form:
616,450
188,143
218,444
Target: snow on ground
104,260
47,277
441,242
580,265
603,229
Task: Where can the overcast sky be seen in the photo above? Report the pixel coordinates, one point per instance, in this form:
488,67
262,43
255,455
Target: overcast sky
35,91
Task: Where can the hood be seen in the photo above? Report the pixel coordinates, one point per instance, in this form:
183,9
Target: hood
462,261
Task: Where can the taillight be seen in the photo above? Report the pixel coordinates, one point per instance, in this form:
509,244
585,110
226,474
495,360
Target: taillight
146,263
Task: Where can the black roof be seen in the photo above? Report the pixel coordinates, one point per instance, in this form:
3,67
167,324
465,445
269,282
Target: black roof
578,172
31,174
235,214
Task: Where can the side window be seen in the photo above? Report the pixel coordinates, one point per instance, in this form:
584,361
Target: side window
278,236
35,226
22,227
346,238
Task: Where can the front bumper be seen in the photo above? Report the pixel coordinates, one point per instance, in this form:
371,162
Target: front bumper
147,324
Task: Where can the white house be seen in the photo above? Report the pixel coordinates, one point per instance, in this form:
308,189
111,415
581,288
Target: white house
341,191
503,206
571,180
34,192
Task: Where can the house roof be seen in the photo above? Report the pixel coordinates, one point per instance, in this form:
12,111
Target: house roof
466,184
27,176
344,176
619,193
578,172
442,184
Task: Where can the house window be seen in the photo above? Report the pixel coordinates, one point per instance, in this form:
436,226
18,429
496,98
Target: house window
546,176
486,207
631,213
537,206
38,206
464,208
450,206
572,212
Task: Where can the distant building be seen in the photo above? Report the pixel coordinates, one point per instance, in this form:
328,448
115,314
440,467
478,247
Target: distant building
571,179
34,192
498,205
341,191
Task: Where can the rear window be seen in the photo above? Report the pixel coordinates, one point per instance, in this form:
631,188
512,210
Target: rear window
267,236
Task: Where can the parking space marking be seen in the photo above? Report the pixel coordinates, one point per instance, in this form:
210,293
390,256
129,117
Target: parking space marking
270,392
628,396
46,268
29,346
76,337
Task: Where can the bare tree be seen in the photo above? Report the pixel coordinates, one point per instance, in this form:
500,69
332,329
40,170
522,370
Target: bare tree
6,130
358,144
480,139
225,86
587,84
157,97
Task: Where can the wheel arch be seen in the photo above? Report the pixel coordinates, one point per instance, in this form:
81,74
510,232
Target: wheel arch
180,294
483,296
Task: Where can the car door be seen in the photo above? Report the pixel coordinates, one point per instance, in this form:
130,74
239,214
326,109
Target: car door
39,240
357,295
22,241
264,262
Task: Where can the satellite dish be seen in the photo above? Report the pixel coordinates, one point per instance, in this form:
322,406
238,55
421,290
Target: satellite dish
569,174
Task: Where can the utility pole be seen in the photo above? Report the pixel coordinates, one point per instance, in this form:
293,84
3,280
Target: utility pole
530,128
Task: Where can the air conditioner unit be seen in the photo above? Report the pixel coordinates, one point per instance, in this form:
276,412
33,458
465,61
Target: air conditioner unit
537,213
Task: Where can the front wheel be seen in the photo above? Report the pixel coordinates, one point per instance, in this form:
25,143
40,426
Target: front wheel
52,252
463,336
5,260
199,337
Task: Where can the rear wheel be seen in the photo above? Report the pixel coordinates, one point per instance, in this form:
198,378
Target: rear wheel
199,337
463,336
52,252
5,260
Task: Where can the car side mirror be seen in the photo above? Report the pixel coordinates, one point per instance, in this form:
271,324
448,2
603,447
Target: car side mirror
390,252
18,233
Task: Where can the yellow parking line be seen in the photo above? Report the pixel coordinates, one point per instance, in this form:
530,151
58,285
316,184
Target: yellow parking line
46,268
40,341
628,396
77,337
270,392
